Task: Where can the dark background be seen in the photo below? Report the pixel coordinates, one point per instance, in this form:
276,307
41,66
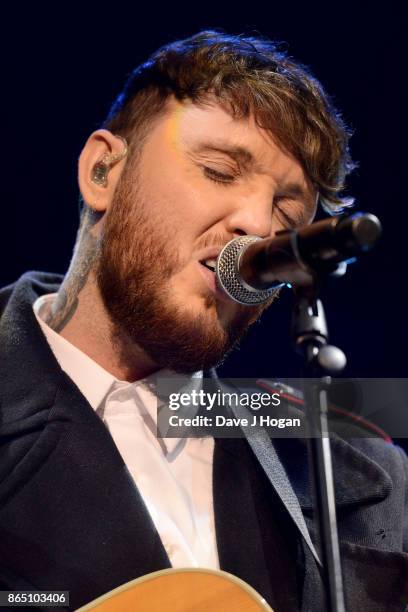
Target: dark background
62,68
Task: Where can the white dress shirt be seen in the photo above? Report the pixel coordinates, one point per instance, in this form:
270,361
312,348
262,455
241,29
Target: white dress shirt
173,475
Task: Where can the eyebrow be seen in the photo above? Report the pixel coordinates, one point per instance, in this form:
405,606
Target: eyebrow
245,158
241,155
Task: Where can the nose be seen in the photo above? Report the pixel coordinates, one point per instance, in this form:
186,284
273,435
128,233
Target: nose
251,216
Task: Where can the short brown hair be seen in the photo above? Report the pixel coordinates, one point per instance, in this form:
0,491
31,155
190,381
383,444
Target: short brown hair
245,75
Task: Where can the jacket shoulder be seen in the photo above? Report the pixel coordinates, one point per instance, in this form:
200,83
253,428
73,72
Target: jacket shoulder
30,283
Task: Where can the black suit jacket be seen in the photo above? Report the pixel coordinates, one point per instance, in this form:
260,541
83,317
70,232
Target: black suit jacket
71,517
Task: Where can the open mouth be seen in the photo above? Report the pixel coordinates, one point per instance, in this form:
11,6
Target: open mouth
209,264
211,279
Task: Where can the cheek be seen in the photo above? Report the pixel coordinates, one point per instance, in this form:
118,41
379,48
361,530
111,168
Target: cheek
178,204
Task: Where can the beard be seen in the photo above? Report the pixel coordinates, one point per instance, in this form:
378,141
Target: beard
135,264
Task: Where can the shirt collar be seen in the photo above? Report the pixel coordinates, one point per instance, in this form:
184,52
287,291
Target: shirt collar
94,382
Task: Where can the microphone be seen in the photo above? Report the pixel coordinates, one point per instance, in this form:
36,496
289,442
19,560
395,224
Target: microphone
249,269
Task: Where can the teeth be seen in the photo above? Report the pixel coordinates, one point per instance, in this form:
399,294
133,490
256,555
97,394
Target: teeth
210,263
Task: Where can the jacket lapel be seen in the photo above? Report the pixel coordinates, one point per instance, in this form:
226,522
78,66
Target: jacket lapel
70,511
358,479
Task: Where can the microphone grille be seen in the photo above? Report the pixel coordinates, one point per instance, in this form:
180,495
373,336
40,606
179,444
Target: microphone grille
229,278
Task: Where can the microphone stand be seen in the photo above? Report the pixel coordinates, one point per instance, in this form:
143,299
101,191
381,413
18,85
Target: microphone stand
320,359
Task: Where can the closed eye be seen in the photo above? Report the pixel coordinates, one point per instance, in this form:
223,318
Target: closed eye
291,219
289,222
217,177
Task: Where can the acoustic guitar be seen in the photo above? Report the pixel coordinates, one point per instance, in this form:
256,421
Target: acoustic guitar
181,590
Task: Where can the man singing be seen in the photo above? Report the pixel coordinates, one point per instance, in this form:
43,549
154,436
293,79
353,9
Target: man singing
213,137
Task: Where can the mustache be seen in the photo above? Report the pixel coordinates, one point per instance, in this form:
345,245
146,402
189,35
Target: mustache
217,240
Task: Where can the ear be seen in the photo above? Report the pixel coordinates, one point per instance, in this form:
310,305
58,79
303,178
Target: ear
104,155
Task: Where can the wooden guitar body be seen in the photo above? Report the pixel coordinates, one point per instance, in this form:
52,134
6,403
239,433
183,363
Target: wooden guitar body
181,590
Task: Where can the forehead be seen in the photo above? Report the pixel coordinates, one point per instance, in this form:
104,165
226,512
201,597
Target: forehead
208,127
